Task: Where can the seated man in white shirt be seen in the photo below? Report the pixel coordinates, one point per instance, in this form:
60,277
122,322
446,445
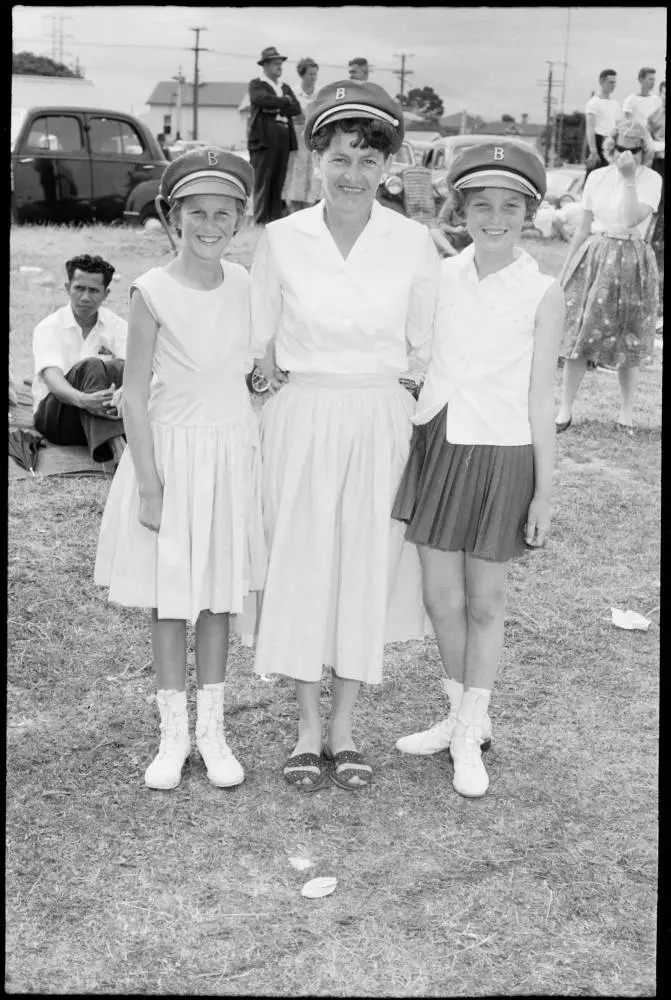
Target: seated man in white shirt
644,103
79,353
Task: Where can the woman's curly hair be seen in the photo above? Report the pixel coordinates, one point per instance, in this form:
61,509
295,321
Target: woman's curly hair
376,135
303,65
608,148
458,199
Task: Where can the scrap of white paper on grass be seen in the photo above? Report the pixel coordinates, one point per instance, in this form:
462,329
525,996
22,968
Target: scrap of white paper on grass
629,619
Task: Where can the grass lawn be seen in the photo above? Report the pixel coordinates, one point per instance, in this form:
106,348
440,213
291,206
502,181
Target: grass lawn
547,886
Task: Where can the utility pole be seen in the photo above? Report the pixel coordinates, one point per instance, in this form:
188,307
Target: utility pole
563,84
403,72
196,83
181,80
549,101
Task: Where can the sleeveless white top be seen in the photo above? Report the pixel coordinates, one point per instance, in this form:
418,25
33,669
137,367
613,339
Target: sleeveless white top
482,351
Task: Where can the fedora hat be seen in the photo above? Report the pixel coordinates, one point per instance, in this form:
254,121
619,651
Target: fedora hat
268,54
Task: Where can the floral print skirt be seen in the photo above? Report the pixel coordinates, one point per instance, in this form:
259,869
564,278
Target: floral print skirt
611,291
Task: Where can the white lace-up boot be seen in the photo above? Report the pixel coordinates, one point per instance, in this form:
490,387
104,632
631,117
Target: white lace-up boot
470,777
223,769
165,771
439,736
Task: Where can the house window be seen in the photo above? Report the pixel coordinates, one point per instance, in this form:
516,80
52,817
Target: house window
167,125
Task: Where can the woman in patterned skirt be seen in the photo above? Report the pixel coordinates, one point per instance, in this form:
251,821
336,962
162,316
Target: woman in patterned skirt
610,275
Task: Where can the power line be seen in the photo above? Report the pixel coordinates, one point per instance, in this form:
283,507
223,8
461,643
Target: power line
549,101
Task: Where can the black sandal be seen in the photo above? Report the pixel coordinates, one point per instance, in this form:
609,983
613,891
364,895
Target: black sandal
305,765
348,762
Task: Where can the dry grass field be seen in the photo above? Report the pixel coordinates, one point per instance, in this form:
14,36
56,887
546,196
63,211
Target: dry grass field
547,886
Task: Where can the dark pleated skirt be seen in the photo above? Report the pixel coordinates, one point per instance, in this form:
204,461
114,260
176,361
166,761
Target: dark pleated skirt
471,498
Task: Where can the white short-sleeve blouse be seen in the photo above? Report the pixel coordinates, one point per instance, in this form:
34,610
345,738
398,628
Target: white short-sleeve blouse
371,313
603,194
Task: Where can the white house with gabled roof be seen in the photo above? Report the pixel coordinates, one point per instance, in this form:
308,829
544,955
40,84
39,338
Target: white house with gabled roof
220,120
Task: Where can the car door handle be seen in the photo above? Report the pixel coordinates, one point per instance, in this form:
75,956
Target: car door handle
26,159
147,166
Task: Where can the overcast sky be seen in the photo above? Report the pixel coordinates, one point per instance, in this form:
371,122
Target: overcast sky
487,60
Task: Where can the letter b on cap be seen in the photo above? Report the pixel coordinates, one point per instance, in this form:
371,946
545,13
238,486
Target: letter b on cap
498,152
212,160
340,93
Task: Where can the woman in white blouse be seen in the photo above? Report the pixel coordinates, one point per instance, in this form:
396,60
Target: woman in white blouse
345,291
302,186
610,276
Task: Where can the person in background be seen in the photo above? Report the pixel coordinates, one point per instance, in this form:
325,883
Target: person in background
182,530
610,275
476,488
567,218
657,128
302,186
643,104
160,138
602,112
271,136
358,69
79,353
343,295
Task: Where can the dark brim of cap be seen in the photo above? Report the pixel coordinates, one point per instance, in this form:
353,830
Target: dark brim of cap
486,178
260,62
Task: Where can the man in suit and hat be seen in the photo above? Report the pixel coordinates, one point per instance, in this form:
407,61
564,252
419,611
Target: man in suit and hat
271,135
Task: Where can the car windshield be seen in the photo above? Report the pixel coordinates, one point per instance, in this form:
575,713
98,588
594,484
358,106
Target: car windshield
18,115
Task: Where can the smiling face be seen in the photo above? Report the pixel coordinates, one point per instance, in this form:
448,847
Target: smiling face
208,223
350,174
494,218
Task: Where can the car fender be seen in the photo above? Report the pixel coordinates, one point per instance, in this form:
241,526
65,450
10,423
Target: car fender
141,200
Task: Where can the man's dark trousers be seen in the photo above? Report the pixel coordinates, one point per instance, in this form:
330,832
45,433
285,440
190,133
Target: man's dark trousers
62,423
270,170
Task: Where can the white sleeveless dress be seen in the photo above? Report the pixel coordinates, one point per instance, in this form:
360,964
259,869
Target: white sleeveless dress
209,552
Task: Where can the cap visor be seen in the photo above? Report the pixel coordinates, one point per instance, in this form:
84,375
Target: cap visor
496,179
208,185
354,111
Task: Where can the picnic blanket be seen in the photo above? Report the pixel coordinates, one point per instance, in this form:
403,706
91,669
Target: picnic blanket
52,459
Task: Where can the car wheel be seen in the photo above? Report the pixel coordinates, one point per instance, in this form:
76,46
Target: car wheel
148,212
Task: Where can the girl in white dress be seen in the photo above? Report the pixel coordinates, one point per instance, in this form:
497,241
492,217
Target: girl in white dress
345,292
182,530
476,488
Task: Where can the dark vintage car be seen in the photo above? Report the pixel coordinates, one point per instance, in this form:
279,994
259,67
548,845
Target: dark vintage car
81,165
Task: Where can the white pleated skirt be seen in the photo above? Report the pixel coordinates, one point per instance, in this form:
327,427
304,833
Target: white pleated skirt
209,552
341,579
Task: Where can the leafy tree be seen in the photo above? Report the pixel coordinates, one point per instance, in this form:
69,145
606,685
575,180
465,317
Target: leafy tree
424,101
28,64
507,118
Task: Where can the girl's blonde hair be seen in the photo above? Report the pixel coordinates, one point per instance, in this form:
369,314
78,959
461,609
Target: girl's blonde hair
629,129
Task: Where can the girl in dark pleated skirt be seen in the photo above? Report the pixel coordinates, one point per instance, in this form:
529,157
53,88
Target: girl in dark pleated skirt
475,491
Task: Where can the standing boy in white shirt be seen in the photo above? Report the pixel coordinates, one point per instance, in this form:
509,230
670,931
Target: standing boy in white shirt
644,103
78,353
602,113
